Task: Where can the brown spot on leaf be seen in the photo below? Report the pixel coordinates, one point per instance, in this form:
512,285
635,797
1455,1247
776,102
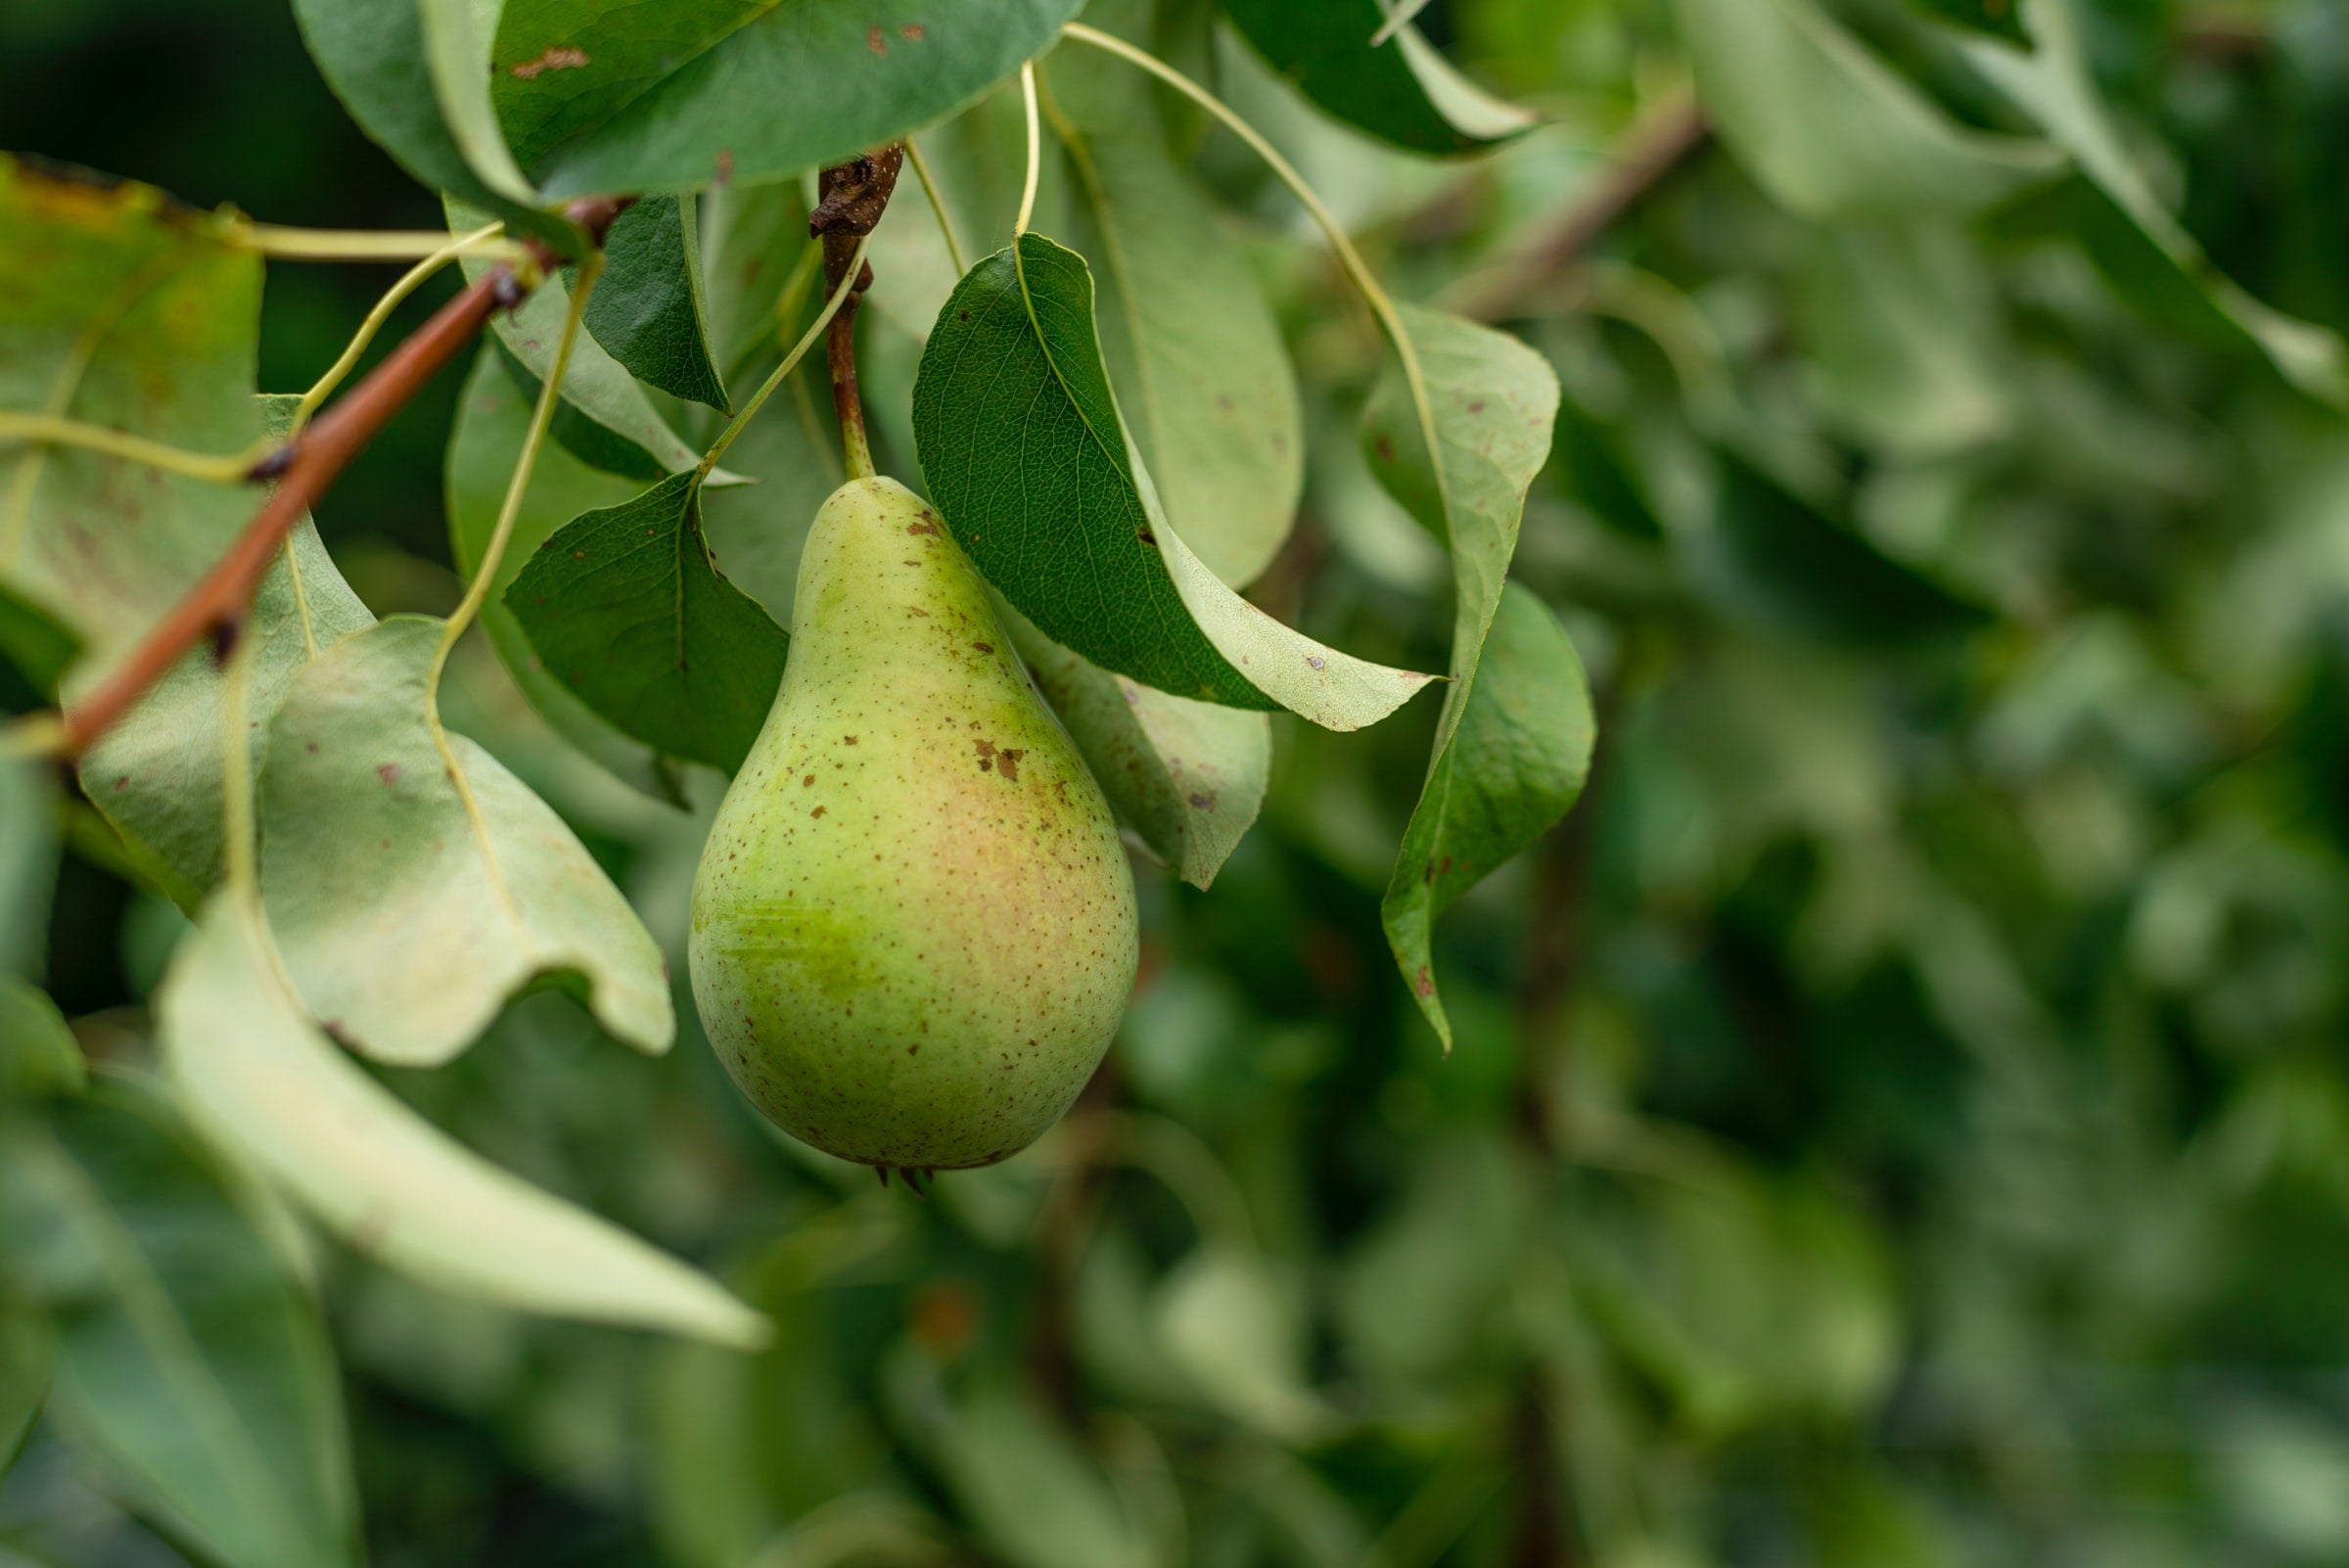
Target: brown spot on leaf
875,41
389,773
1476,405
1145,535
1423,983
911,32
1315,660
558,56
726,164
1385,448
1203,802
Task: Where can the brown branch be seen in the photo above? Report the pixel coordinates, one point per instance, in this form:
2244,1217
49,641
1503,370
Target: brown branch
1651,150
852,196
304,468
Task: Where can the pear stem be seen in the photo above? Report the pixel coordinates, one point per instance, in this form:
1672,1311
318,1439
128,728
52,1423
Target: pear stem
851,199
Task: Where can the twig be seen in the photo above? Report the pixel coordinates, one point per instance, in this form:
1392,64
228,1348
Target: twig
851,198
304,468
1651,150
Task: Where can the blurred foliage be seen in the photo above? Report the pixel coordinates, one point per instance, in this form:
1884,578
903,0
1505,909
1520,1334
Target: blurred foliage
1900,1119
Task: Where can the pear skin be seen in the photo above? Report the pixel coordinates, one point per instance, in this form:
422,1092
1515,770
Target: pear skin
913,925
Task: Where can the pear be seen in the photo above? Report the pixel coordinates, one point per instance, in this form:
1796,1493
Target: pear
913,925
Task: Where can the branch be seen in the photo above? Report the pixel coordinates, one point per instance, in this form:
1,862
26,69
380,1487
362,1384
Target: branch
852,197
1651,150
304,468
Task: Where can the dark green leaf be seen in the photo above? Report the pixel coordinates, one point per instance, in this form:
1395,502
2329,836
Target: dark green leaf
604,417
598,95
415,889
648,309
39,645
1401,90
2001,19
1489,407
190,1363
38,1057
1028,457
1185,331
1830,130
1779,561
378,58
1513,767
626,607
27,864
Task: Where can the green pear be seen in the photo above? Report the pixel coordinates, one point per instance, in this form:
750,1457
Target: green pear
913,926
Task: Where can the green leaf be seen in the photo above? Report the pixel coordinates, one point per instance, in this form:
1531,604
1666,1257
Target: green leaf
1030,1495
1777,561
1401,90
2137,241
457,57
2001,19
190,1365
600,94
604,419
122,308
39,1056
27,864
626,607
166,308
1903,328
1489,406
1187,333
1026,456
41,647
648,309
1830,130
413,889
156,775
1514,766
245,1059
27,1361
1231,1328
397,65
1188,776
493,420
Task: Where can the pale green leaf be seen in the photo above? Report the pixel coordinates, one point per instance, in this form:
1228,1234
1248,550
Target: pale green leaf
412,892
1493,786
1187,776
457,58
1903,329
1228,1325
1830,130
245,1060
190,1363
1032,1496
1029,459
